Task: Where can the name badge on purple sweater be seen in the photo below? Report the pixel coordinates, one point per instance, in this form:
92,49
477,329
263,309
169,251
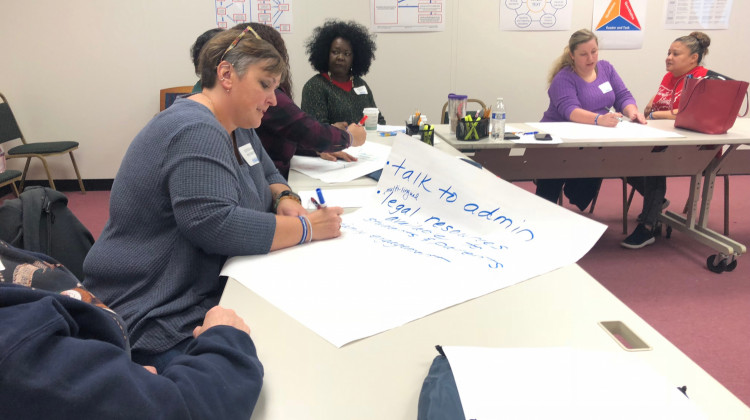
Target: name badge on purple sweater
605,87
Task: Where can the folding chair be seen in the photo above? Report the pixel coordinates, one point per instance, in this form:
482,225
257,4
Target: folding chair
10,176
169,95
9,130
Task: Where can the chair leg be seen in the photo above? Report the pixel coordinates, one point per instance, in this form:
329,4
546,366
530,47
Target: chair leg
726,205
593,202
78,174
625,206
15,190
25,170
49,174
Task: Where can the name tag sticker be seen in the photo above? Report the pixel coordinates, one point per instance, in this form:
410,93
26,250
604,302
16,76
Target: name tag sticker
2,267
605,87
248,153
360,90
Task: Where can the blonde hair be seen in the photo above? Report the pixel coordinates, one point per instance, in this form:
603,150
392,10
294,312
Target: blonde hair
579,37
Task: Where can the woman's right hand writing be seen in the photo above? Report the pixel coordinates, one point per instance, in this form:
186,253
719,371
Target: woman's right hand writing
326,223
359,135
609,119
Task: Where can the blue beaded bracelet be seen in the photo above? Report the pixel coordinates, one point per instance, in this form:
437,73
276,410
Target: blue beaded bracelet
304,230
596,120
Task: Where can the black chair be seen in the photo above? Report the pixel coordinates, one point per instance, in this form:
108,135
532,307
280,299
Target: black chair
9,131
10,176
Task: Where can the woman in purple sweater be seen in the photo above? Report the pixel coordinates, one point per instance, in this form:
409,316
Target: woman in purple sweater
584,90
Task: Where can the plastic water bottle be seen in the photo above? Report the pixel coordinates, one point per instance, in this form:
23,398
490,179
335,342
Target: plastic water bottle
498,120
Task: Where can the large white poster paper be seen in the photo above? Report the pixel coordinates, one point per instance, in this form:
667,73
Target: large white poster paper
437,232
563,383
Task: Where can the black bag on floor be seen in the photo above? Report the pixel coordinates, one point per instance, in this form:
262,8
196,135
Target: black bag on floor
40,221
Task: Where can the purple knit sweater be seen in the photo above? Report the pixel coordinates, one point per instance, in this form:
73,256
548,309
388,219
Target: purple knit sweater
568,92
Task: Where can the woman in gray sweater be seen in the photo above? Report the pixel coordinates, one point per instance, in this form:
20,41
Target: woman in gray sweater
194,188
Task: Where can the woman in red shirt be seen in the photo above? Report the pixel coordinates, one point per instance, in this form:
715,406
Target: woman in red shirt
683,60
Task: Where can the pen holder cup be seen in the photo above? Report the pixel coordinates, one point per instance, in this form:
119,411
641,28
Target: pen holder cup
473,130
427,136
412,129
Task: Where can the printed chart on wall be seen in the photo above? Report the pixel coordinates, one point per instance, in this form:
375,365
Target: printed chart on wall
407,15
535,15
690,14
277,13
619,23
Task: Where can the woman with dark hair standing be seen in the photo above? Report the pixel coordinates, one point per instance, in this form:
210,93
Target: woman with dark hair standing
341,52
683,60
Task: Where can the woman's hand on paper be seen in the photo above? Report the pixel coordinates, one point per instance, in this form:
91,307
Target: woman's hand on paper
609,119
638,117
333,157
326,223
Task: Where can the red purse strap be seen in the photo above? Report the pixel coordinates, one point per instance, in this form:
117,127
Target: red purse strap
684,82
747,105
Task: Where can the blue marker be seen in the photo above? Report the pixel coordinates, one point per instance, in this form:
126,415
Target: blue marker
320,198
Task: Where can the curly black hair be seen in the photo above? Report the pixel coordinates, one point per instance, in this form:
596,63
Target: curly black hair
363,45
195,49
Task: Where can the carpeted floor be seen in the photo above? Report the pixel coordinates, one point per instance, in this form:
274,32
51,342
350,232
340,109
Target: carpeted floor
706,315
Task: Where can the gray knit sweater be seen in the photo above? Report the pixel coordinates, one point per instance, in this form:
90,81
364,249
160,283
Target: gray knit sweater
181,203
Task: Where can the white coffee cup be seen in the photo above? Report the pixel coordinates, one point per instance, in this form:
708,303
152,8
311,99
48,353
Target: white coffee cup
371,123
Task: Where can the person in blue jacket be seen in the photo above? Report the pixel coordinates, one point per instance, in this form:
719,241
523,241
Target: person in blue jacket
65,355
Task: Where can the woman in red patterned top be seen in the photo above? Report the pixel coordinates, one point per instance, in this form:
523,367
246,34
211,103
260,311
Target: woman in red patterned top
683,60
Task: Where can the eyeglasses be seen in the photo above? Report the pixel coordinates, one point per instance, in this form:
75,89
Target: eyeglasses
344,53
237,41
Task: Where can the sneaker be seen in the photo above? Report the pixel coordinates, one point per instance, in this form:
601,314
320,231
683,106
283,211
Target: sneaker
640,237
664,205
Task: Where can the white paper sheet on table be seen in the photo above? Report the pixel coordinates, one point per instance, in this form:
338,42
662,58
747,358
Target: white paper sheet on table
623,130
563,383
437,233
370,157
391,128
340,197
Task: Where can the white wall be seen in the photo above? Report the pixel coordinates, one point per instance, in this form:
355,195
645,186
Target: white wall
91,71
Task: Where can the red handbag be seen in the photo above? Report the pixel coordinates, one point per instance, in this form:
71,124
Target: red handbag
710,105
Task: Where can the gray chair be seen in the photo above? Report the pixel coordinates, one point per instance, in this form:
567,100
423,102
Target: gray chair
9,131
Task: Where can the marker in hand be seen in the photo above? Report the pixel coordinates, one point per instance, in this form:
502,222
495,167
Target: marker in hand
322,200
361,122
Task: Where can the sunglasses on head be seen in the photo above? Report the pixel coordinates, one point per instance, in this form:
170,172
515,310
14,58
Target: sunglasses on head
237,41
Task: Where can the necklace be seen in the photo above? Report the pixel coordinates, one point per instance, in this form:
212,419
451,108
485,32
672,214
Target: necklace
212,108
